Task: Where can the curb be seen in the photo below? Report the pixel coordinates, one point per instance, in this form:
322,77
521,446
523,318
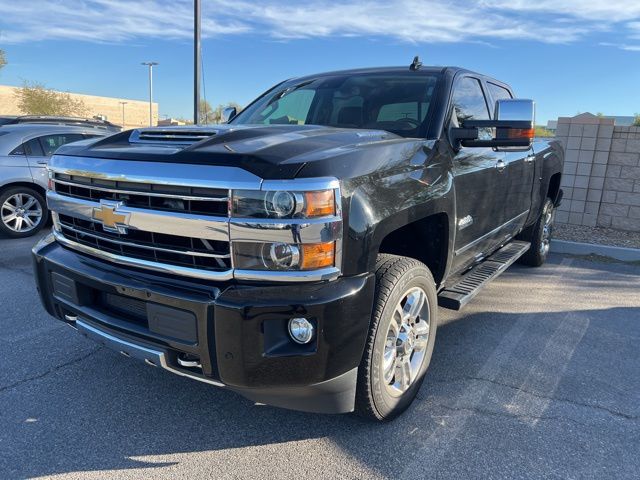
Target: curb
577,248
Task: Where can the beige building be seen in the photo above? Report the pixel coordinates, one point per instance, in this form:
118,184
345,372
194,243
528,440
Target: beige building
136,112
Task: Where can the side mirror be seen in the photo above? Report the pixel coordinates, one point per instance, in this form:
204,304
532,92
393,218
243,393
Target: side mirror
228,114
513,128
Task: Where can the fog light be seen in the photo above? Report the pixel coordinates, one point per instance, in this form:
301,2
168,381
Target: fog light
301,330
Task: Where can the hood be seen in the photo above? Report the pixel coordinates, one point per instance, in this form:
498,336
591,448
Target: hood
270,151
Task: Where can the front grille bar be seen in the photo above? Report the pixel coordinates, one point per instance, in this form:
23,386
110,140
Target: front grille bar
145,264
102,238
141,192
158,221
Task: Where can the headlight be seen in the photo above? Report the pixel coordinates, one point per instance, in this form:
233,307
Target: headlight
283,256
283,204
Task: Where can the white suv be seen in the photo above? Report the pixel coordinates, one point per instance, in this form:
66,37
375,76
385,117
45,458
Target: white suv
24,152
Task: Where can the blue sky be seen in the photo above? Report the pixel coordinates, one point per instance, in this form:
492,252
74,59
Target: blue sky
569,55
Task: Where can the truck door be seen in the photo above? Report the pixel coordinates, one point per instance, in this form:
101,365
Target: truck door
479,178
520,174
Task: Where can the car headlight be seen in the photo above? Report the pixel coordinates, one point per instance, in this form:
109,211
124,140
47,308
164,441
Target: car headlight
283,204
283,256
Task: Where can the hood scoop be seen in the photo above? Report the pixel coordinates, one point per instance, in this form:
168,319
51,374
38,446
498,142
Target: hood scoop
182,136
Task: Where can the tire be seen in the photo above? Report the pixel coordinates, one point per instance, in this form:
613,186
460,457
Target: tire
539,234
31,215
381,395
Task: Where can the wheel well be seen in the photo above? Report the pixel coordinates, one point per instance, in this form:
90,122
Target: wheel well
34,186
425,240
554,187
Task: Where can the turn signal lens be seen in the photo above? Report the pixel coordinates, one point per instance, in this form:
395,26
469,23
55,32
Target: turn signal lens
522,133
319,204
317,255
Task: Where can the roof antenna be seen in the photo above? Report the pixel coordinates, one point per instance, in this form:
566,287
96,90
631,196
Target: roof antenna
416,64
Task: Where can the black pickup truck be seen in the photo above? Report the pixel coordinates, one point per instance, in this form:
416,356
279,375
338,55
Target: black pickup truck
298,254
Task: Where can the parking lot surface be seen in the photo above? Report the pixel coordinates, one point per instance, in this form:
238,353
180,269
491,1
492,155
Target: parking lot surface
539,377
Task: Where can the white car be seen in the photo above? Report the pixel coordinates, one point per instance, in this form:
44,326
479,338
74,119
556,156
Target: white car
24,152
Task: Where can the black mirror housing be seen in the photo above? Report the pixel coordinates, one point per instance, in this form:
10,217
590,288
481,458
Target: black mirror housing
228,113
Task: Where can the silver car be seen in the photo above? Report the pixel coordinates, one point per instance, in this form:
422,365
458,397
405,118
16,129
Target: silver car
24,152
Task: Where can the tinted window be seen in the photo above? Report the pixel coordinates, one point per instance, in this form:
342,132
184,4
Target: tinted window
33,148
18,150
395,112
498,92
394,102
468,101
50,143
291,109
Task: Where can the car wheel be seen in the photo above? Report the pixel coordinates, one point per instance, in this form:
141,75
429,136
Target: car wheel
401,338
539,234
23,212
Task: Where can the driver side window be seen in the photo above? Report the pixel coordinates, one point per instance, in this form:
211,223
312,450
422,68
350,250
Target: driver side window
468,102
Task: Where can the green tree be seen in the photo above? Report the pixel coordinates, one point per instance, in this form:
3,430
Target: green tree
210,115
206,114
543,132
3,59
636,120
36,99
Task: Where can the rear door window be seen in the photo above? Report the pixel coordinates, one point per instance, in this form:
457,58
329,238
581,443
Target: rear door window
33,148
497,92
50,143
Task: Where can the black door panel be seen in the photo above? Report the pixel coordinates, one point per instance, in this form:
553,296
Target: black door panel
481,179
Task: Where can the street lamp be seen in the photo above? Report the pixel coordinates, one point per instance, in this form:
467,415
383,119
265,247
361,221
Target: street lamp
197,62
123,104
150,65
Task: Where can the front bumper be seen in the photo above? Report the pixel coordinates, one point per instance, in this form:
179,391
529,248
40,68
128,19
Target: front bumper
237,332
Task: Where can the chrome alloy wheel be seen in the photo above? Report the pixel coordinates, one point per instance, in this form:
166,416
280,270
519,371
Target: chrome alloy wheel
547,229
406,343
21,212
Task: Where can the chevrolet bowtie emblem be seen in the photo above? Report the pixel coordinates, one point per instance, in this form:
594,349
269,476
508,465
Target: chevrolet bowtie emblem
111,220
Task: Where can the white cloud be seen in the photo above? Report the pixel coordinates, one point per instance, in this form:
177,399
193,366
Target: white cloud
413,21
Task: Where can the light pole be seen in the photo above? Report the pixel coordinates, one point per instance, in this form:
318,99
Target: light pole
196,61
150,65
123,104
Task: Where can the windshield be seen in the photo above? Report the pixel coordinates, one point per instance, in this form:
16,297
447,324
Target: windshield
395,102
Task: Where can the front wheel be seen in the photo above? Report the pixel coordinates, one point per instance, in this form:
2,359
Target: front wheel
401,338
539,234
23,212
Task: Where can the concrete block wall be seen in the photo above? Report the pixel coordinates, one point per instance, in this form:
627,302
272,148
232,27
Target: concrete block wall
620,207
601,178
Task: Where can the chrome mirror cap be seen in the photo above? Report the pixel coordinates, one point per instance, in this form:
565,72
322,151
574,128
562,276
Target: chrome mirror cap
518,110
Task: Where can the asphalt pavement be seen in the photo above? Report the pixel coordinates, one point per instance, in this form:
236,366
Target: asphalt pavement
539,377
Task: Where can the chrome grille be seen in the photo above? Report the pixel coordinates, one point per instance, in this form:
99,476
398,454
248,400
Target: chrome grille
166,217
156,247
172,198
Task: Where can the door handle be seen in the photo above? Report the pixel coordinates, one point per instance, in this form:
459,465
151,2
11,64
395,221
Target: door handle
500,166
529,158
